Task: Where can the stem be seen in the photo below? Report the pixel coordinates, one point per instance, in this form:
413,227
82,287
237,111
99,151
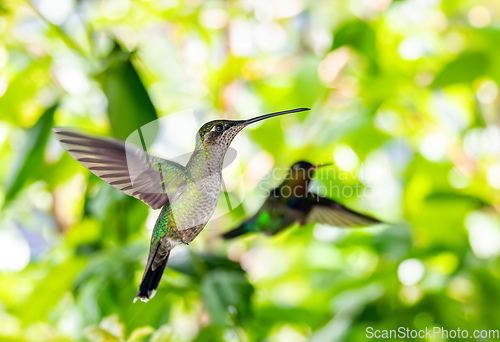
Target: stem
64,37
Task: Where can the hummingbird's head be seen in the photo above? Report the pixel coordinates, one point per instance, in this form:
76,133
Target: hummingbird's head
298,177
222,132
219,132
303,171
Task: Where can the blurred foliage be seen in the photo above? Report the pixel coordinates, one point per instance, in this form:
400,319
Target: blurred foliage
405,102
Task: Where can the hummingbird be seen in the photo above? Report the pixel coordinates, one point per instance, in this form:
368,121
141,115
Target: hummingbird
187,195
292,202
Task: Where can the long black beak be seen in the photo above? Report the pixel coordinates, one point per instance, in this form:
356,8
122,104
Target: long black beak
266,116
314,167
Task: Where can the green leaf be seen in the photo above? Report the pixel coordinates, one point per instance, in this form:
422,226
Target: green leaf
164,334
456,198
110,329
198,264
101,335
226,295
30,158
23,87
140,333
57,280
465,68
129,105
60,171
359,36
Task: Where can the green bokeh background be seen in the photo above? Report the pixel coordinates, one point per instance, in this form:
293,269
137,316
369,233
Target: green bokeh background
404,99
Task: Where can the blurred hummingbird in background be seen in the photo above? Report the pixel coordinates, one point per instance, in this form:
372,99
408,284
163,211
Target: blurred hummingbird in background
187,195
292,202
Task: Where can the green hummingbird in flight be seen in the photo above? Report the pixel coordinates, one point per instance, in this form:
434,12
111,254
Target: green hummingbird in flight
292,202
187,195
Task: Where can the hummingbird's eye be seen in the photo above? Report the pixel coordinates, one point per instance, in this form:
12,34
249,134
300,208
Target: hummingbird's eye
218,128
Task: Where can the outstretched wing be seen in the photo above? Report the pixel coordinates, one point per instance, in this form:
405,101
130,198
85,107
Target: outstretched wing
329,212
125,166
272,218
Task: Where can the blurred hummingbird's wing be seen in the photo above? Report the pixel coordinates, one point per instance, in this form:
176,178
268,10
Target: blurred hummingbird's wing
271,219
125,166
326,211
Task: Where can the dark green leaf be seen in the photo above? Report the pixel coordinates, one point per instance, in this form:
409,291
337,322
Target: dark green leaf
129,105
466,68
226,295
359,36
30,158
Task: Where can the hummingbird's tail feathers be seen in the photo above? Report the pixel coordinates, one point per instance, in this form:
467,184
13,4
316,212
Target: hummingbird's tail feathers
329,212
152,275
242,229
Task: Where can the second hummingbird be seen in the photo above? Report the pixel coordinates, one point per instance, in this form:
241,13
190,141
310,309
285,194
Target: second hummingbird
292,202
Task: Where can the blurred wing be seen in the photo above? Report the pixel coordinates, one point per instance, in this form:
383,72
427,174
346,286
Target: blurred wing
124,166
332,213
271,219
